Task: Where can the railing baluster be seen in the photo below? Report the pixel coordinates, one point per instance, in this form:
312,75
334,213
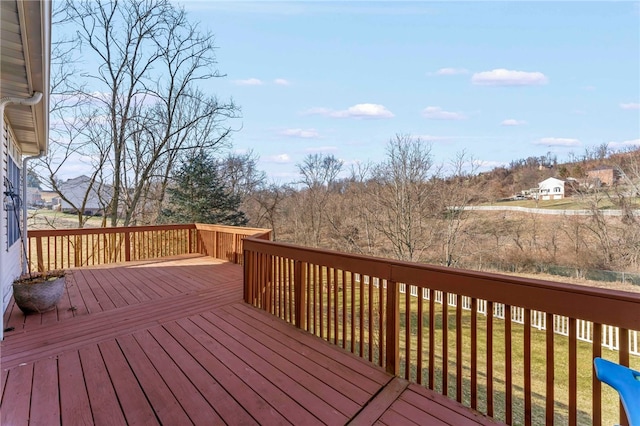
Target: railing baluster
432,332
474,353
459,348
550,360
596,398
353,313
335,306
445,343
623,359
489,358
573,373
329,293
344,309
361,316
419,337
407,334
381,322
527,367
507,365
370,318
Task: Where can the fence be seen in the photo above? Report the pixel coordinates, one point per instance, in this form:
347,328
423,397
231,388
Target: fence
67,248
511,365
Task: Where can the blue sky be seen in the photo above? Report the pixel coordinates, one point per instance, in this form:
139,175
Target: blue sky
503,80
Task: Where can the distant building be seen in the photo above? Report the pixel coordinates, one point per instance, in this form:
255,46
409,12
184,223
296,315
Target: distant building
34,199
606,175
74,190
48,197
550,189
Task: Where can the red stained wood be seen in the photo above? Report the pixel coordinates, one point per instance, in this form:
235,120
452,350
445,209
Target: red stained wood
187,395
440,406
104,403
163,401
75,408
380,403
172,343
322,368
225,405
133,401
16,396
45,402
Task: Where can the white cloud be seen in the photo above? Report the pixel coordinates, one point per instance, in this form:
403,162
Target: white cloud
279,158
630,106
249,82
364,111
450,71
624,144
357,111
301,133
437,113
320,149
513,122
557,142
504,77
282,82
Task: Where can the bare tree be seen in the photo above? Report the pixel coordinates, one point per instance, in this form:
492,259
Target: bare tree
240,173
400,197
453,195
318,172
147,60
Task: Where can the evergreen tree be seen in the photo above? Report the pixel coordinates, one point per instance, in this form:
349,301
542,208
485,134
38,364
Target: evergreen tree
199,195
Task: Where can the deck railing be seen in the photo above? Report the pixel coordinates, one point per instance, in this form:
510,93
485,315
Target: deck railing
505,364
67,248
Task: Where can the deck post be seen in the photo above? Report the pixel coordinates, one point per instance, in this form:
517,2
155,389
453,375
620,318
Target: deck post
300,296
127,246
39,254
248,276
392,363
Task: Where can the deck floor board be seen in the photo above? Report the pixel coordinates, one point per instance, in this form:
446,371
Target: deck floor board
171,342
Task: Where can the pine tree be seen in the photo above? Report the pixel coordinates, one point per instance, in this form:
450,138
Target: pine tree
199,195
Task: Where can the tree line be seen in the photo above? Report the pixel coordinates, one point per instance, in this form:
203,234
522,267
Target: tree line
127,99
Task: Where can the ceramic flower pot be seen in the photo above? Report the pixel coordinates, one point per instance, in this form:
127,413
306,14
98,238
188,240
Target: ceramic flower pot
38,297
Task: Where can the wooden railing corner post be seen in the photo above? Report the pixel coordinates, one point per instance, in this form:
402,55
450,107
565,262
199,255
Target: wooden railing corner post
245,279
392,364
39,254
300,296
127,245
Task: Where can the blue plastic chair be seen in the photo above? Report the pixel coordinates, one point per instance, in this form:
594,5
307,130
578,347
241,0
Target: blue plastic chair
626,381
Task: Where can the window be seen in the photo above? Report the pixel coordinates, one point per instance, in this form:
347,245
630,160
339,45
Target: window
12,202
556,189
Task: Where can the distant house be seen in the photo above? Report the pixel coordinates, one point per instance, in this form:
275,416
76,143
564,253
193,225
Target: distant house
73,192
606,175
47,198
551,189
34,199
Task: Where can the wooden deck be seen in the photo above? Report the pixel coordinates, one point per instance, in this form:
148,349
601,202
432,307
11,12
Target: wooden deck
171,342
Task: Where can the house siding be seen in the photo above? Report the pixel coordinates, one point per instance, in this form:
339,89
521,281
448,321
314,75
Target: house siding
10,250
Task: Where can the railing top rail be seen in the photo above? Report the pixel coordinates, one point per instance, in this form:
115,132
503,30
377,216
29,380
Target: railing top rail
232,229
604,306
109,230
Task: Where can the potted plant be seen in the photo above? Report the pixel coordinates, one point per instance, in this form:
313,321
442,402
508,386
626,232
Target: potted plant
34,292
38,292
